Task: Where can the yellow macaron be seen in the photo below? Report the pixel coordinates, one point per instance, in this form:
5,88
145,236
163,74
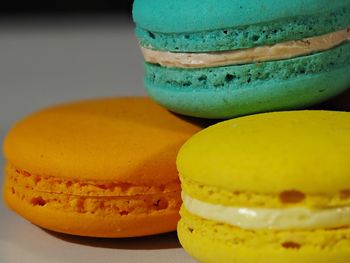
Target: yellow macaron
102,168
268,188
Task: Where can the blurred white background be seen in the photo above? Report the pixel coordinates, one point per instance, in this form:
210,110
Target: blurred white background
44,61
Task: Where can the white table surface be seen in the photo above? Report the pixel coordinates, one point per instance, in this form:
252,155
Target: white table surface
47,61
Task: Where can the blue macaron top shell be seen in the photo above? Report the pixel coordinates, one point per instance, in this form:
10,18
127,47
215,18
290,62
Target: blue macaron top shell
179,16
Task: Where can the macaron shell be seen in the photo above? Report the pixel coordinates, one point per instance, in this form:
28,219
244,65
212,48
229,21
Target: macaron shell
91,224
107,139
159,15
251,35
240,100
271,153
208,242
285,198
207,250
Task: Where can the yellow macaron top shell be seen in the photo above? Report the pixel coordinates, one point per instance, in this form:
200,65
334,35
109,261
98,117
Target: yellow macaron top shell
269,153
129,140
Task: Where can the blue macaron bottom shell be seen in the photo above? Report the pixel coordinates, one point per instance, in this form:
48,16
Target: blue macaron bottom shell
261,96
231,91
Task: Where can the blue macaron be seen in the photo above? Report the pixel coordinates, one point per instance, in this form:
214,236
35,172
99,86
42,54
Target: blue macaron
291,54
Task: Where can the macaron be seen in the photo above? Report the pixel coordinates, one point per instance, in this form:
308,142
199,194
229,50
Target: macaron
100,168
268,188
222,60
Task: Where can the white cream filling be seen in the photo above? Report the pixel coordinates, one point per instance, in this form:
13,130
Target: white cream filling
269,218
278,51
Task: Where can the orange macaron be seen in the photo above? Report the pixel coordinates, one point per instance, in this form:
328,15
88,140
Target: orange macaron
101,168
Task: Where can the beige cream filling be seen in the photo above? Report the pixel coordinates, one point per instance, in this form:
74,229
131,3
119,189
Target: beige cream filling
269,218
278,51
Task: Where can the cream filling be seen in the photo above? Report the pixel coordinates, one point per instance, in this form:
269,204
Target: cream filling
269,218
278,51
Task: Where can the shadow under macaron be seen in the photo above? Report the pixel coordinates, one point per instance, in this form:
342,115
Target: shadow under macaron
153,242
200,122
338,103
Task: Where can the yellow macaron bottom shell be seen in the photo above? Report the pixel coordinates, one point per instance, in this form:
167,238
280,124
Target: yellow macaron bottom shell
97,215
269,218
286,198
209,241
